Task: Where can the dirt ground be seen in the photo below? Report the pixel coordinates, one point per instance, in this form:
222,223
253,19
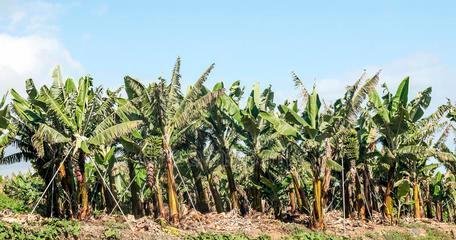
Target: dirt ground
253,225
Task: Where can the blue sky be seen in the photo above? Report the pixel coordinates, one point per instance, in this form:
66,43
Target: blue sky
326,42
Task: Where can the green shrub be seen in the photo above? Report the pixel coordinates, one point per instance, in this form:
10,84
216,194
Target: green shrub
218,236
434,234
304,235
26,187
11,204
431,234
397,236
112,234
49,229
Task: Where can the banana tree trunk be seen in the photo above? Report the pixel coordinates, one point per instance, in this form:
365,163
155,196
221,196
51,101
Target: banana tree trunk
202,202
136,205
368,198
84,211
110,200
347,200
150,182
438,211
257,203
302,200
428,201
360,201
388,198
450,212
73,183
296,191
52,199
159,195
292,199
234,199
65,182
388,201
367,194
102,191
416,198
215,194
318,215
212,185
356,203
173,202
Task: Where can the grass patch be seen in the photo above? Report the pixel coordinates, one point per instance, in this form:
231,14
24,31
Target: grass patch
115,225
297,235
431,234
308,235
11,204
111,234
218,236
49,229
434,234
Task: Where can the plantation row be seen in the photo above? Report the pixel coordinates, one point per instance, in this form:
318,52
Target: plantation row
159,152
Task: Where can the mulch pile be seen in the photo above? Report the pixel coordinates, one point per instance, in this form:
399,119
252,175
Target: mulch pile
254,224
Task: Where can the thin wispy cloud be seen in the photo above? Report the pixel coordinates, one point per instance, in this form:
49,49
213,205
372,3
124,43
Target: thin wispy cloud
30,45
424,70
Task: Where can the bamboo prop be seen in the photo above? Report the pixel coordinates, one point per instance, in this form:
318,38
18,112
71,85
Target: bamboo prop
112,195
343,192
49,185
185,185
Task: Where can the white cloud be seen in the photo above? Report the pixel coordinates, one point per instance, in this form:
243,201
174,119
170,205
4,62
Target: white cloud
29,45
30,17
424,69
32,57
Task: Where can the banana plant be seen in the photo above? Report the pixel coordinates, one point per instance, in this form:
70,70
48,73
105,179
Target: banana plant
172,114
7,128
416,165
255,134
443,194
77,124
275,188
347,131
29,113
402,192
308,130
395,116
221,120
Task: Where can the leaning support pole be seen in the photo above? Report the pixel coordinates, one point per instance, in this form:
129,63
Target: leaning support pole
343,192
185,185
112,195
365,199
50,182
123,194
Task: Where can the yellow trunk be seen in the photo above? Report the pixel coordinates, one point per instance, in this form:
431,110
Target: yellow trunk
297,186
292,200
171,184
62,172
416,198
84,213
361,206
161,208
389,202
318,218
172,196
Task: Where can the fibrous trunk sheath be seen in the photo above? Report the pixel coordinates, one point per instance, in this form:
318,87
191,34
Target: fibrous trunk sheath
318,217
416,198
171,184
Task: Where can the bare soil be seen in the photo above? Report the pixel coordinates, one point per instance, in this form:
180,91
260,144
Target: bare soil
253,225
